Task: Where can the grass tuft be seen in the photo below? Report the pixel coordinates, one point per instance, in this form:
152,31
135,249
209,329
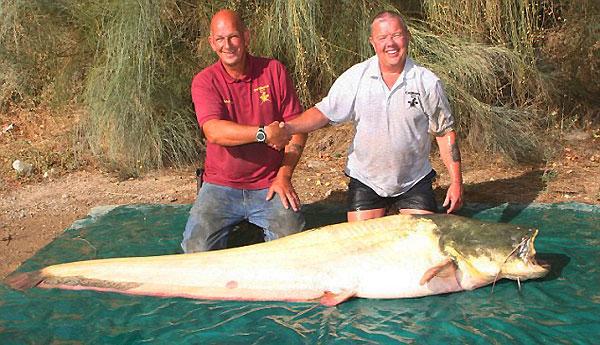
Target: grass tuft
509,69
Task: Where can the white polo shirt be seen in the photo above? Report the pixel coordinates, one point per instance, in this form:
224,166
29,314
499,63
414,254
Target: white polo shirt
390,151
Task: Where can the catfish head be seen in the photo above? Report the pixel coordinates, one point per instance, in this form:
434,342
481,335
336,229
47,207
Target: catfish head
485,252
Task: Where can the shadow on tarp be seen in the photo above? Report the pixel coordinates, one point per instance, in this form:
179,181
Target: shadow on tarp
557,263
526,188
563,308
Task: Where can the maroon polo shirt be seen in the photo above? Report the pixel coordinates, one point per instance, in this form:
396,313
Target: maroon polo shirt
264,95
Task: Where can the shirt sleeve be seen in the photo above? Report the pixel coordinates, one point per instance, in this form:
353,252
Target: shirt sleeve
290,104
438,110
207,102
338,105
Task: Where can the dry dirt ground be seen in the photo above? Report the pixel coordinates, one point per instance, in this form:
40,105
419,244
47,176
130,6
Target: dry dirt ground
36,209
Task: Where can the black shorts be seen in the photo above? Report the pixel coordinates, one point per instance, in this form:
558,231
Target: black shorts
420,197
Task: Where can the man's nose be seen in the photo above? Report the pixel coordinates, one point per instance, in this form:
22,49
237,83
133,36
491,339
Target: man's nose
227,43
388,40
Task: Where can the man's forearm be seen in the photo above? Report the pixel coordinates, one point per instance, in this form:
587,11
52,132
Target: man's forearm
450,155
228,133
291,157
307,122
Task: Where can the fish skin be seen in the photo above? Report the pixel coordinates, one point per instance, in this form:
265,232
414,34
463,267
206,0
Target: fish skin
397,256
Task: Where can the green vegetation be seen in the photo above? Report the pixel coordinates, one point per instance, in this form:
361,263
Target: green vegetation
507,65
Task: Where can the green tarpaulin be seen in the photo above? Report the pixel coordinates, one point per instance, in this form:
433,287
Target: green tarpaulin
562,308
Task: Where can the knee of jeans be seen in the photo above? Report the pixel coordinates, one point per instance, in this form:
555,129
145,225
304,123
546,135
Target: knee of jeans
193,246
198,240
286,223
193,240
195,234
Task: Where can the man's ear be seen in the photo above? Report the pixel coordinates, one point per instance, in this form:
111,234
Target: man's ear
247,37
211,42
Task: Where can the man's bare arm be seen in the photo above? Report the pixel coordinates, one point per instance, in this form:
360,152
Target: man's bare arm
228,133
283,182
308,121
450,155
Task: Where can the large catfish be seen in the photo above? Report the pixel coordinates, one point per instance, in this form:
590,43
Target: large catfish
392,257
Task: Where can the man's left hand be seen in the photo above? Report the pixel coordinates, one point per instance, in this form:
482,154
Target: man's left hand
284,188
454,197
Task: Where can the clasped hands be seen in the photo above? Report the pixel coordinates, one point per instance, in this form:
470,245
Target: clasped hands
278,136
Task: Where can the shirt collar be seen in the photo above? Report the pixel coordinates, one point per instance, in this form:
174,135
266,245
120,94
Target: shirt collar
246,78
407,73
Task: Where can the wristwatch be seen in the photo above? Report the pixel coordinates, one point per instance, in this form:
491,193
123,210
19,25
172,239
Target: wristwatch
261,135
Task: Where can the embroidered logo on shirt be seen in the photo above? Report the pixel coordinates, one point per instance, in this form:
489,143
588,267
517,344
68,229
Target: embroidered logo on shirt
227,101
264,95
413,101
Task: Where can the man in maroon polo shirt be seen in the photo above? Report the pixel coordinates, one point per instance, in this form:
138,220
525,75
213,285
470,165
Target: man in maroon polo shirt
241,102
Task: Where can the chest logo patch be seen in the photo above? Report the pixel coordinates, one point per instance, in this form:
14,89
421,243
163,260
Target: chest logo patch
414,101
264,95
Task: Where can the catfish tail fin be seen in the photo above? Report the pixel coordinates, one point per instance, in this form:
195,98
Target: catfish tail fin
24,281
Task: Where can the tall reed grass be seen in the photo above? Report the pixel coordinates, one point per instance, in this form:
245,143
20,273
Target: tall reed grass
41,54
137,90
130,63
511,23
497,95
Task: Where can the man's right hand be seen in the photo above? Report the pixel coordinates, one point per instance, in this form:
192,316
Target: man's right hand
277,135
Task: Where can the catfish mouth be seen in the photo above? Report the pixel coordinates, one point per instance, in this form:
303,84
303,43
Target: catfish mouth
527,266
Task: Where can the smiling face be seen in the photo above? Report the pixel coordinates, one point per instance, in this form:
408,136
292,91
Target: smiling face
229,39
389,38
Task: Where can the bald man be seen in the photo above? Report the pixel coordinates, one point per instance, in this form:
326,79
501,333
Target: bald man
395,106
241,102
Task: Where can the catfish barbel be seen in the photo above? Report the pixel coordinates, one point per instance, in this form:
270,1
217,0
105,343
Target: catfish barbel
391,257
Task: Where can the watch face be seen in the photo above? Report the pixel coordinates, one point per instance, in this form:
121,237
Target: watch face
260,137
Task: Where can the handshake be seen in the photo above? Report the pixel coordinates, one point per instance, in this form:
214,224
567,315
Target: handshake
278,135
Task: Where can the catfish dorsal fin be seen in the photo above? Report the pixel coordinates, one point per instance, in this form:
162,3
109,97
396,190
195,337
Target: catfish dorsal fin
331,299
443,269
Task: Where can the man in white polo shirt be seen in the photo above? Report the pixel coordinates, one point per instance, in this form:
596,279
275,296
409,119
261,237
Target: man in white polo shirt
395,105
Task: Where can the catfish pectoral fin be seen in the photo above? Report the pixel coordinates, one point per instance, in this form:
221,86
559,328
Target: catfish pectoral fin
331,299
446,268
24,281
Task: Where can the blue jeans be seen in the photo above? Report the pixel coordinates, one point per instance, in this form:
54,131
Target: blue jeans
218,209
